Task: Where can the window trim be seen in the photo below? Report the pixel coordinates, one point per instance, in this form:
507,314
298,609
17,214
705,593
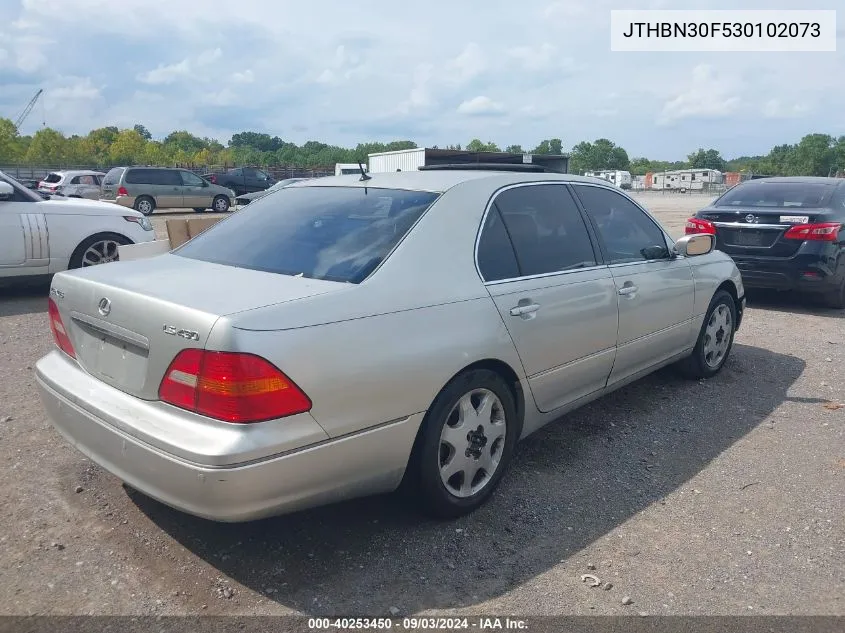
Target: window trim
597,253
666,237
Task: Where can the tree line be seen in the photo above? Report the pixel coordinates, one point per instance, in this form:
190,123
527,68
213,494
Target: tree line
813,155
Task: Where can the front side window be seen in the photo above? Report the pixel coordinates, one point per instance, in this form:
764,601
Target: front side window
546,229
191,180
21,194
628,234
331,233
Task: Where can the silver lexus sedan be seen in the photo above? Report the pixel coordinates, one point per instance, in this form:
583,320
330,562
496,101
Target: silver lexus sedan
346,335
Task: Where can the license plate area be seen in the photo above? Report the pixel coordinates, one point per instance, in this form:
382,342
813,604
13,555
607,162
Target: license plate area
112,360
748,238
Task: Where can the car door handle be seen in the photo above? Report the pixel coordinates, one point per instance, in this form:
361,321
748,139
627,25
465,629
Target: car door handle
525,310
627,290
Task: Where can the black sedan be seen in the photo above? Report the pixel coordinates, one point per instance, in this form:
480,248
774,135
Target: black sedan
783,233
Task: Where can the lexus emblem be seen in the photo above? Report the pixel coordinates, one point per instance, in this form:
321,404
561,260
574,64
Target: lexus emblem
104,307
750,218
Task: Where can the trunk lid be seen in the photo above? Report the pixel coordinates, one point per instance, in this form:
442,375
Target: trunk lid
128,320
759,231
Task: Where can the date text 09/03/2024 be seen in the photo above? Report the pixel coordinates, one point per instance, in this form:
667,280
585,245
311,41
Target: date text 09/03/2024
419,624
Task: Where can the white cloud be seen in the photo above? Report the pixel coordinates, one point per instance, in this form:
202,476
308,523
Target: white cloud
777,109
245,77
480,105
348,75
706,95
466,66
165,74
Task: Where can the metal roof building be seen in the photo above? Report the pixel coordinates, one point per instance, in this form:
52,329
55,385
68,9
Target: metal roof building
413,159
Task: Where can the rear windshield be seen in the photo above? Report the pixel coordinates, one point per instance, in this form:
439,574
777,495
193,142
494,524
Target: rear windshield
113,177
52,178
332,233
778,194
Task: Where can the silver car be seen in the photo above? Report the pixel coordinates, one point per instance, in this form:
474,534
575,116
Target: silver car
410,327
73,184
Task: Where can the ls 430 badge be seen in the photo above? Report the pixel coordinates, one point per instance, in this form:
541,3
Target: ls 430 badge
188,334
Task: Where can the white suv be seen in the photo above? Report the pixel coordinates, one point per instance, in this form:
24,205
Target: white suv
41,237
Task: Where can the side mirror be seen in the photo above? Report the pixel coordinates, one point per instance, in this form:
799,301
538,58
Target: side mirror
696,244
7,191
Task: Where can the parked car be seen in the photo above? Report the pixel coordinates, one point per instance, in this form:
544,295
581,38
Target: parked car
241,180
408,327
147,188
41,237
783,233
73,184
252,197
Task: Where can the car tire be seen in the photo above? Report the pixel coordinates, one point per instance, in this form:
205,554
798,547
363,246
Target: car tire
145,205
220,204
489,440
102,246
715,339
836,298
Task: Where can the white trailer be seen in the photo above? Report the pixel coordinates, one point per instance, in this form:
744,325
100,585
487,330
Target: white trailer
621,179
399,160
345,169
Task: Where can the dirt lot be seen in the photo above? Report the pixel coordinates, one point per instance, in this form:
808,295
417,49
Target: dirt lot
717,497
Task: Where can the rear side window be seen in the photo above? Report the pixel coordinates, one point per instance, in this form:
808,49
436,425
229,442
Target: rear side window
153,177
496,259
332,233
53,178
113,176
546,229
790,195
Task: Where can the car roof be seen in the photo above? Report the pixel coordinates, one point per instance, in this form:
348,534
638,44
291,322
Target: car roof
799,180
439,181
78,172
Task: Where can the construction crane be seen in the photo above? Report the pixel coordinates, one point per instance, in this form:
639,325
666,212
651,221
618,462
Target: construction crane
27,109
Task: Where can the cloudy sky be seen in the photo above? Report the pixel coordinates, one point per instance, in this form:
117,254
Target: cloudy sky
437,72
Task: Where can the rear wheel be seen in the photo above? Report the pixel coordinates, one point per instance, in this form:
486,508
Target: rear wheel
145,205
220,204
465,443
97,249
836,298
715,340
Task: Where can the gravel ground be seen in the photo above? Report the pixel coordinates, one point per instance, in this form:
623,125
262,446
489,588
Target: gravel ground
716,497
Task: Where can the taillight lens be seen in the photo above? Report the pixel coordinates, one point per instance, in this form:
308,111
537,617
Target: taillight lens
695,226
58,329
121,191
232,387
824,232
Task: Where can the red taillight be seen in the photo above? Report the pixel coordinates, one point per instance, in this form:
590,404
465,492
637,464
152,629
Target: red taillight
121,191
58,329
825,232
695,226
232,387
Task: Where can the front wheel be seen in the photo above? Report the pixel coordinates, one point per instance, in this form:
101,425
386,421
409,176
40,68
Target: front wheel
715,340
97,249
220,204
467,439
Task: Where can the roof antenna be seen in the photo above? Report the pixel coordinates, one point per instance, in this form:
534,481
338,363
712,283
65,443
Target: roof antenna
364,175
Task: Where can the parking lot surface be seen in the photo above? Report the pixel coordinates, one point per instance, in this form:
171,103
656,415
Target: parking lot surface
724,496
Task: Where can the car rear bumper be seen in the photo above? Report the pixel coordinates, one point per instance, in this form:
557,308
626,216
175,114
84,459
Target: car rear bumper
802,273
364,463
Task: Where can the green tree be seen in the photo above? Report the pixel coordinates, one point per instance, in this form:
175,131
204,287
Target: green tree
601,154
184,142
476,145
515,149
48,147
100,141
143,131
815,155
549,146
706,159
128,148
11,149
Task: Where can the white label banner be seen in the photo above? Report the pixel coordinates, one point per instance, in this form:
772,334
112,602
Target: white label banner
723,30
